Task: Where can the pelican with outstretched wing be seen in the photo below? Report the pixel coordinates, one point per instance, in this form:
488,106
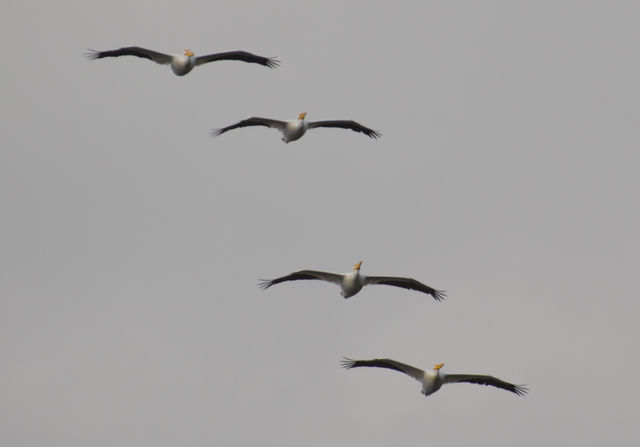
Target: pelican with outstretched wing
182,64
432,380
294,129
352,282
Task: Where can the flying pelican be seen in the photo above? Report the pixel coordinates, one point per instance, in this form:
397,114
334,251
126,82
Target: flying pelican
183,64
351,283
433,380
294,129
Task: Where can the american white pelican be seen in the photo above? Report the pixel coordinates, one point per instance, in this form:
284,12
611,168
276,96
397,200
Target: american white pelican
294,129
183,64
351,283
433,380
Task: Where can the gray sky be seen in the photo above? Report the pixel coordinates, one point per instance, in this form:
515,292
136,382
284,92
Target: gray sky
132,242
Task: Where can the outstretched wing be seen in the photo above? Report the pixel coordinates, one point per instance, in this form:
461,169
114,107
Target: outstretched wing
406,283
238,56
160,58
344,124
253,121
302,274
409,370
486,380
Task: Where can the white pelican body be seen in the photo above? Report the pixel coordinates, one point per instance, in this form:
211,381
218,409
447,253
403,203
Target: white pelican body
432,380
352,282
181,64
294,129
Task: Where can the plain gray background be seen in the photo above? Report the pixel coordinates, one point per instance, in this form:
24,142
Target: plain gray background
132,242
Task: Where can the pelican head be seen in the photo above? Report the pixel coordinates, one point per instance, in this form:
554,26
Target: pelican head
357,265
188,52
437,366
302,115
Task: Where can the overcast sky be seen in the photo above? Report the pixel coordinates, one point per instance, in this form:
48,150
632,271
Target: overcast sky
131,242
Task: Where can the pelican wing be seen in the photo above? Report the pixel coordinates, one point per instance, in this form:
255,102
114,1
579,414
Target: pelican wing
485,380
303,274
409,370
406,283
238,56
253,121
344,124
160,58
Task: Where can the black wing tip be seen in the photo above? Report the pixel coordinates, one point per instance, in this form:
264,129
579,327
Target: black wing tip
92,54
347,363
520,390
375,134
272,62
439,295
265,284
215,132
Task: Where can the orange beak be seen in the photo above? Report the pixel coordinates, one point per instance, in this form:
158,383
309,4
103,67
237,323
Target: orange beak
302,115
357,265
438,366
188,52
